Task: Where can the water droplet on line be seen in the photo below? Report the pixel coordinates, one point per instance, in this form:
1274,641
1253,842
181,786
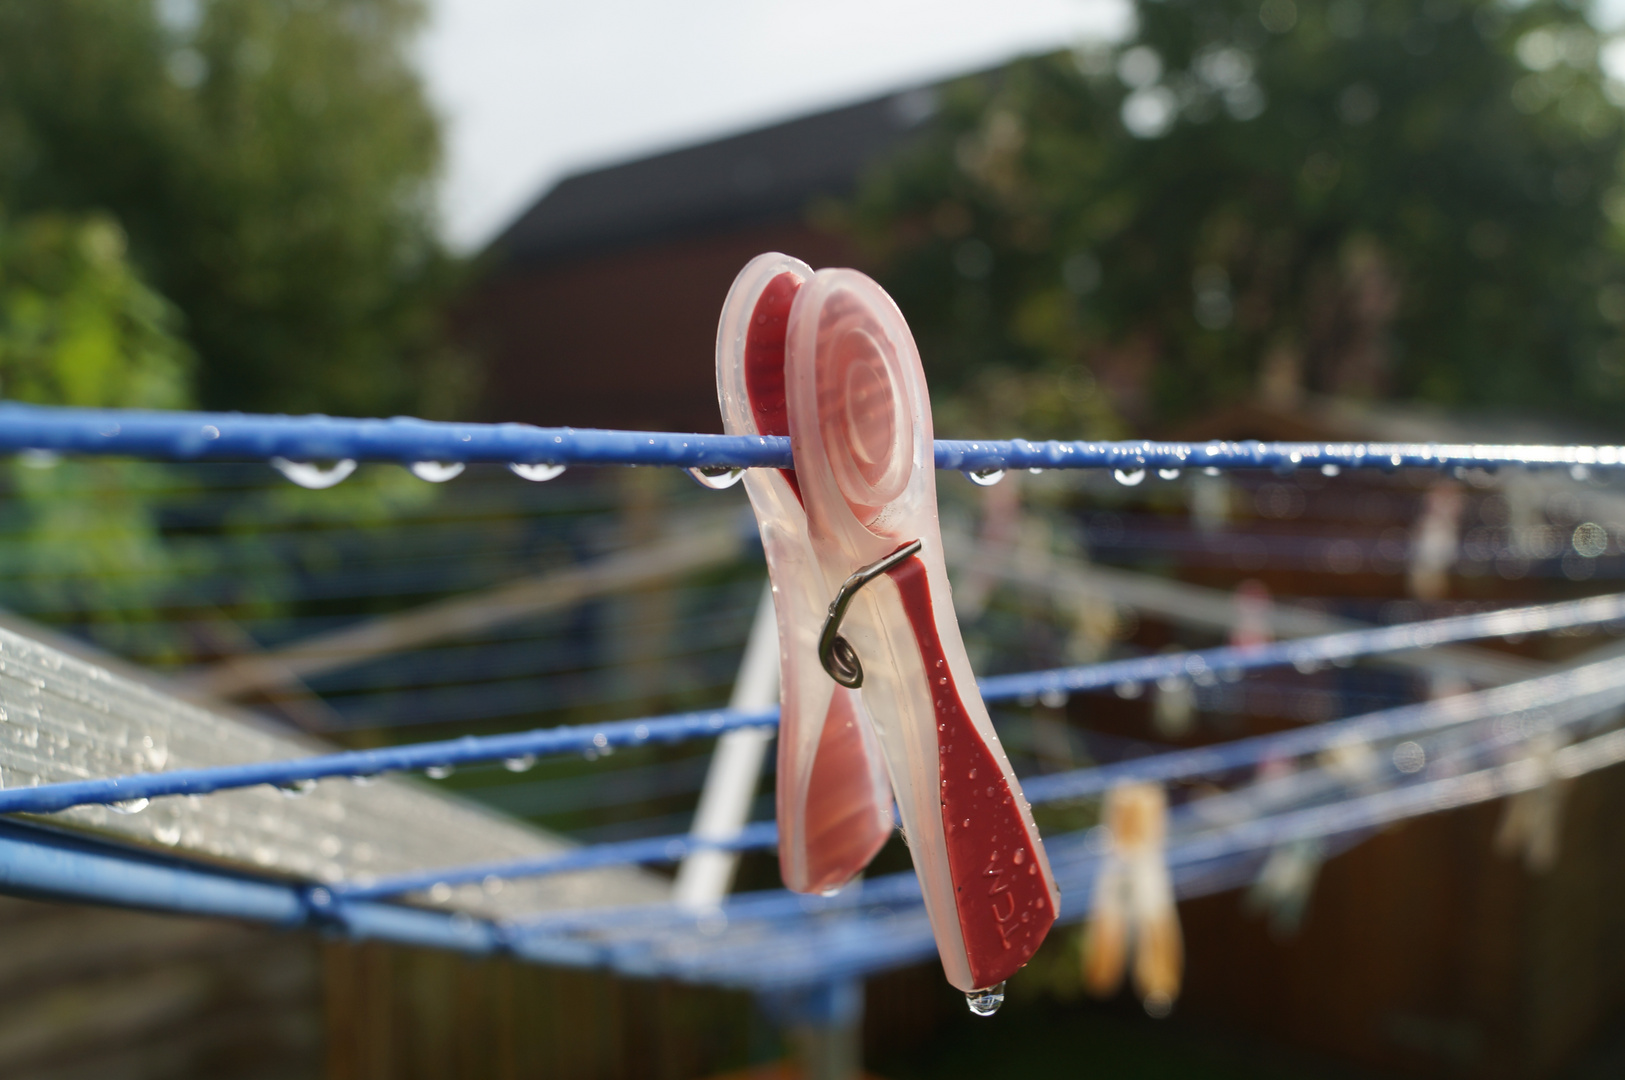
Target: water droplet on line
295,789
1168,474
310,475
538,473
985,1002
129,806
984,477
1128,477
438,472
1330,469
439,772
522,763
716,477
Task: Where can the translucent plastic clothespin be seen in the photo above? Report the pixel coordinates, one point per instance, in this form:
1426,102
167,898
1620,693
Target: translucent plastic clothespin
1133,912
1532,823
855,555
1435,541
1252,626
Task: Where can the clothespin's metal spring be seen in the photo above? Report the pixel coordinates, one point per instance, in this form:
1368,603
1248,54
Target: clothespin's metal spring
834,651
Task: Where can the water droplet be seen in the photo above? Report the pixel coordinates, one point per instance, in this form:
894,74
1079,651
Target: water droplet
129,806
986,1002
830,892
1128,689
1053,698
1128,477
1211,470
1036,471
1019,857
538,473
295,789
522,763
984,477
972,775
716,477
310,475
438,472
1168,474
168,835
439,772
1330,469
364,779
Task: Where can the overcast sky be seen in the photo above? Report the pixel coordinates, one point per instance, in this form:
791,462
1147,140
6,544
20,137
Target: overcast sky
532,89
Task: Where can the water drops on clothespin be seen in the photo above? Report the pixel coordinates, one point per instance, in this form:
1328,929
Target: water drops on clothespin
1435,541
1133,918
1532,823
307,474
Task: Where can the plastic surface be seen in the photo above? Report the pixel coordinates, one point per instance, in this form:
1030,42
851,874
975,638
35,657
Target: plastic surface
860,431
834,802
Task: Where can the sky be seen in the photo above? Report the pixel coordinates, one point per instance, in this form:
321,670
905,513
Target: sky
532,90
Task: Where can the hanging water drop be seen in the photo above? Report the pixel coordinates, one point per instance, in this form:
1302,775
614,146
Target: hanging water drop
1128,689
1128,477
1168,474
522,763
1035,471
439,772
539,472
716,477
1330,469
985,1002
984,477
438,472
297,789
129,806
310,475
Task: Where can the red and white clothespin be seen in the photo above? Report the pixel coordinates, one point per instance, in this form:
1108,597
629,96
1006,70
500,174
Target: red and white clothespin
855,556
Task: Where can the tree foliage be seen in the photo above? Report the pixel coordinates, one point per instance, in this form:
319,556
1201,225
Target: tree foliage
271,162
1370,198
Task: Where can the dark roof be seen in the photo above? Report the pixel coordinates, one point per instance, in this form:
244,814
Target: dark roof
761,175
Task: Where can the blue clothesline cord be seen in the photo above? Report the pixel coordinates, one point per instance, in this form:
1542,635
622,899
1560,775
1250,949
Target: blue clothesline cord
200,436
595,738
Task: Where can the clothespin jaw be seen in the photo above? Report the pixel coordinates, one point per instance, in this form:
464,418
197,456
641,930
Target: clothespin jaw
860,429
834,800
1133,913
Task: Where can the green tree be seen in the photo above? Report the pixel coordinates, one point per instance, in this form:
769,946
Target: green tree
271,161
1371,199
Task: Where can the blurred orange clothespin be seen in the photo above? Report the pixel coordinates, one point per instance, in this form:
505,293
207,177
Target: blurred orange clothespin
1133,911
1532,822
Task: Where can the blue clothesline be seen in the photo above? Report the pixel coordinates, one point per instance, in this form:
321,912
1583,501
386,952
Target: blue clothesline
595,738
200,436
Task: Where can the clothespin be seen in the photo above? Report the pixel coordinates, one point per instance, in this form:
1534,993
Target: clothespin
834,801
1532,823
1133,909
1435,541
1173,704
855,556
1252,626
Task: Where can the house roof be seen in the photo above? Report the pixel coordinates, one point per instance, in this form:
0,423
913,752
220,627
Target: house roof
760,175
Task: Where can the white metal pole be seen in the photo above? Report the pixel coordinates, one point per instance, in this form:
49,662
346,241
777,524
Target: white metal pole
705,877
